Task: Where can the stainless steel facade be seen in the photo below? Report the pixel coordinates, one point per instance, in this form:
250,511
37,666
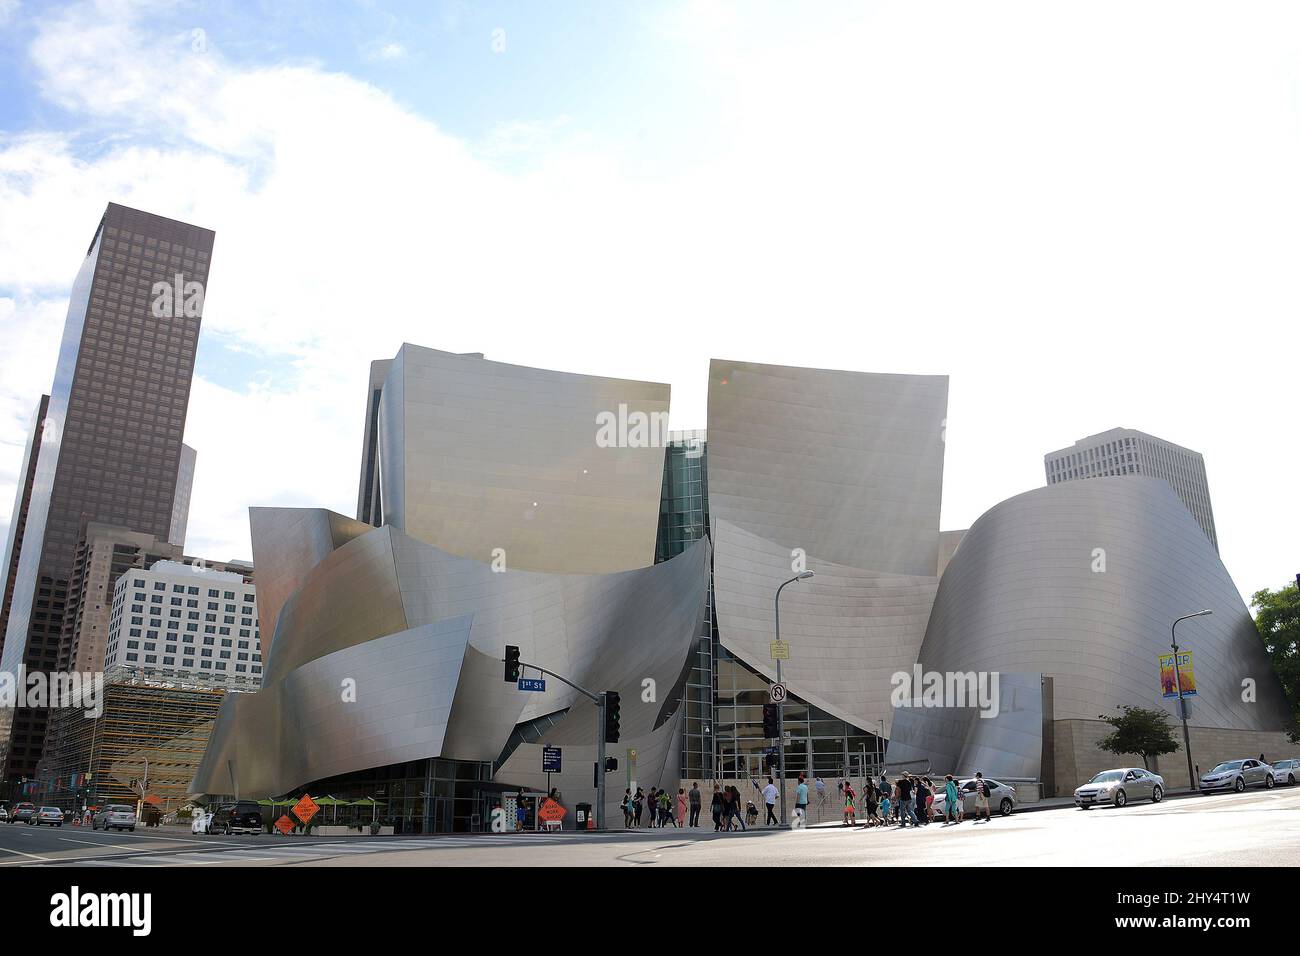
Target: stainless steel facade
840,472
482,458
1081,581
422,632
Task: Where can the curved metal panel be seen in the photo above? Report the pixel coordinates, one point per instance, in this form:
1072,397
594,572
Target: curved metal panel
846,465
288,543
1026,590
478,455
849,629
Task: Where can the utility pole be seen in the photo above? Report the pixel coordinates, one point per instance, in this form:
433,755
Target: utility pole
780,704
1182,704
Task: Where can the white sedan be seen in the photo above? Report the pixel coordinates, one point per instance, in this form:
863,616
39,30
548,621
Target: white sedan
1286,771
1002,800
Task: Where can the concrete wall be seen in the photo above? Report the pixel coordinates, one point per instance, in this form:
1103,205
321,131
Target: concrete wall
1078,759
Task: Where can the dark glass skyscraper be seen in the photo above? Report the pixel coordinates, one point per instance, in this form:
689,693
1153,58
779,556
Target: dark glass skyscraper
111,443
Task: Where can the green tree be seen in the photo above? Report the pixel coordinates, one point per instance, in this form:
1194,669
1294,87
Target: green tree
1277,617
1139,731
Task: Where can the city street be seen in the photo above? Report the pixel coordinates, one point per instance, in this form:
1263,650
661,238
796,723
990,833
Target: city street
1251,829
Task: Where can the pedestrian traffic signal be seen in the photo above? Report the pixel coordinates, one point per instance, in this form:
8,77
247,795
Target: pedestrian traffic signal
611,764
612,716
512,663
771,714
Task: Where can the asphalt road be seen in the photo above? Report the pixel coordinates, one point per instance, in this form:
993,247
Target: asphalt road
1251,829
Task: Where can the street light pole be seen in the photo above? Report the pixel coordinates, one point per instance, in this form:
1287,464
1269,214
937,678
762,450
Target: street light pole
1182,704
780,705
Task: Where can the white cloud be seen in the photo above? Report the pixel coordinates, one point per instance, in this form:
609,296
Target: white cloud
1086,223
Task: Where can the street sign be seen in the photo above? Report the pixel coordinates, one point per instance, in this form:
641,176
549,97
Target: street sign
777,693
779,650
305,808
532,683
551,759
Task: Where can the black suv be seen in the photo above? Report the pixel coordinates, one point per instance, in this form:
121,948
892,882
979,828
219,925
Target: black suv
242,817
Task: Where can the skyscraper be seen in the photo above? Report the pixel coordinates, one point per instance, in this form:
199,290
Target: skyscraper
111,444
1125,451
26,477
184,490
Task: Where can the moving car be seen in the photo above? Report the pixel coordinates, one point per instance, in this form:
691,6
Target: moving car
1238,775
1001,800
242,817
1118,787
22,813
1284,771
115,816
51,816
200,821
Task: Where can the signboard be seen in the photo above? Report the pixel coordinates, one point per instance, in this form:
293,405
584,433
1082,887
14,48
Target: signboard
532,683
779,650
777,693
1168,682
305,808
550,760
284,825
551,811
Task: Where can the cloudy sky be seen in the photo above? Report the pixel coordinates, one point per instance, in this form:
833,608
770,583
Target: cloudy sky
1085,214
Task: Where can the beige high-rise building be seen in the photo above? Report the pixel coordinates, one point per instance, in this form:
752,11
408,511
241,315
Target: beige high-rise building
1126,451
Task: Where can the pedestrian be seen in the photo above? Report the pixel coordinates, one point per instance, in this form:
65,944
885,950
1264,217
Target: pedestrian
718,807
929,800
736,812
869,799
885,807
922,793
982,793
696,798
666,809
952,800
681,807
850,815
638,806
906,787
521,814
800,804
769,798
627,809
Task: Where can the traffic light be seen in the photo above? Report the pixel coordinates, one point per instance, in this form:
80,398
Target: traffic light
612,716
512,663
770,717
611,764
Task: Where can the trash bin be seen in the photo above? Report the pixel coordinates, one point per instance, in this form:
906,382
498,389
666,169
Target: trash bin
584,820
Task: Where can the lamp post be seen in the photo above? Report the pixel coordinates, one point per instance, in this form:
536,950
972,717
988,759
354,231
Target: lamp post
780,705
1182,705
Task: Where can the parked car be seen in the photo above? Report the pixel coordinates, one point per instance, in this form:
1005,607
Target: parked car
1238,775
1118,787
1284,771
1001,800
22,813
4,814
200,821
115,816
47,816
242,817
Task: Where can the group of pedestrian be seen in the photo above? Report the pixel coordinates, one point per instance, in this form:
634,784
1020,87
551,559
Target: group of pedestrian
726,808
660,808
909,800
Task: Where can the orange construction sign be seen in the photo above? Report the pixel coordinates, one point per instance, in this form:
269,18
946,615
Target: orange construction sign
284,825
305,808
551,811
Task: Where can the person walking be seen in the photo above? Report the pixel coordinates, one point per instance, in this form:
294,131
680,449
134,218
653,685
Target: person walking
737,812
695,798
905,812
870,801
922,795
718,807
769,798
952,801
800,804
850,814
627,809
982,798
681,807
638,806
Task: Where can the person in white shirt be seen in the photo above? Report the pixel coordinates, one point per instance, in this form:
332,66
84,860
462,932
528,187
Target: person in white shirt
769,797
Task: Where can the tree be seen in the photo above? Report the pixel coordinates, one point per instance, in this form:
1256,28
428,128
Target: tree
1277,617
1139,731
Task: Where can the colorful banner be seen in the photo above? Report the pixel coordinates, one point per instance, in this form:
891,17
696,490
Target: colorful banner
1168,682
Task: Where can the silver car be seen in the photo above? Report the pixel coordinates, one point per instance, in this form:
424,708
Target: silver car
1002,799
1238,775
47,816
1118,787
1284,771
115,816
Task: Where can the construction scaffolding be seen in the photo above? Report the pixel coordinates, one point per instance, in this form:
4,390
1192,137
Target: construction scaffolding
145,746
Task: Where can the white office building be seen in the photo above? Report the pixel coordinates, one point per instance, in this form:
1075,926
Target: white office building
1124,451
182,621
